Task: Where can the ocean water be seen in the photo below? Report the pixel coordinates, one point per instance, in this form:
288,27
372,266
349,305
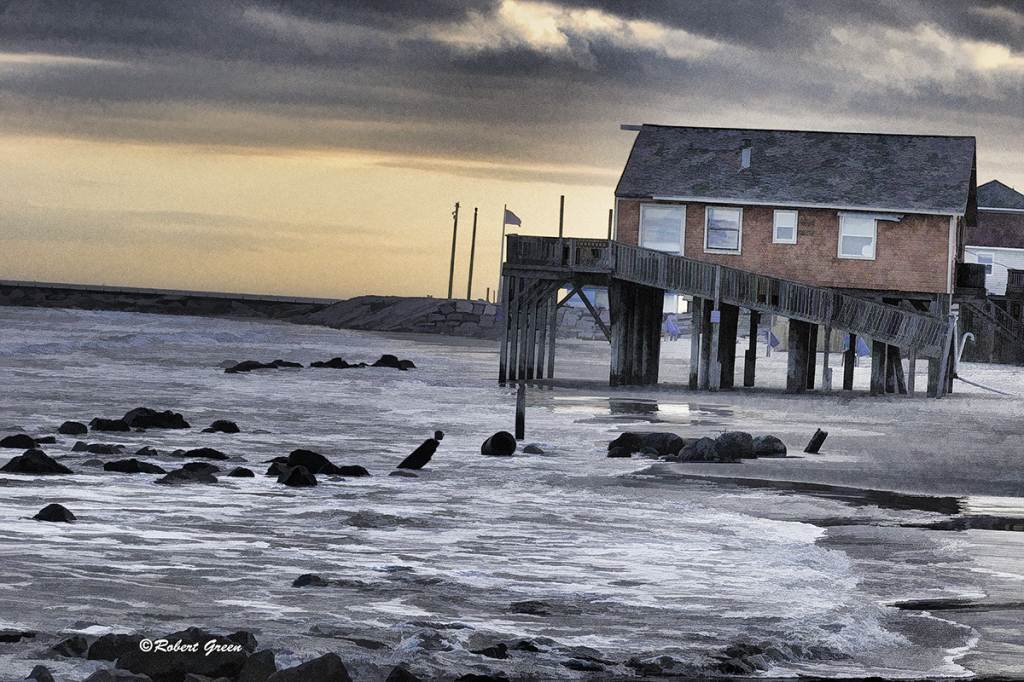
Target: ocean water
595,562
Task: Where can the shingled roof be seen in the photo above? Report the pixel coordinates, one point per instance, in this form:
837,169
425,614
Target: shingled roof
895,173
995,194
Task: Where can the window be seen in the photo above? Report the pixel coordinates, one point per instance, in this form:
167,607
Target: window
857,236
723,229
662,227
785,227
986,258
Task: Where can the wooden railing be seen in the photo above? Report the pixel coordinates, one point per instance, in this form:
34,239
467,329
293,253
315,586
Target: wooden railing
819,305
1002,322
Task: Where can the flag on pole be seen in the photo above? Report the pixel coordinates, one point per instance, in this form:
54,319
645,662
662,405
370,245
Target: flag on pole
512,219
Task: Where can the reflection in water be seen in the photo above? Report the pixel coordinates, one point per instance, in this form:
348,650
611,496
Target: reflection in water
639,409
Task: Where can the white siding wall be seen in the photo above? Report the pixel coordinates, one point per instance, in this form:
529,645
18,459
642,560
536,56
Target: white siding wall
1003,259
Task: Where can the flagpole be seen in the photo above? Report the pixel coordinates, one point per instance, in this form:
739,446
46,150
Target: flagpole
472,252
455,231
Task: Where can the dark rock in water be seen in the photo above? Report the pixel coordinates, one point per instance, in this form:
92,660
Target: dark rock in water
333,363
769,446
100,424
620,451
648,452
406,365
661,666
46,440
527,645
532,607
13,636
497,651
145,418
700,450
258,667
103,449
474,677
310,580
816,442
35,462
93,463
277,468
627,442
113,646
286,364
313,461
55,513
203,453
735,445
133,466
297,477
222,426
400,674
147,452
402,473
40,673
501,444
353,470
179,476
20,441
79,446
248,366
201,467
74,647
387,361
246,639
421,455
242,472
327,668
117,676
73,428
225,660
533,449
666,444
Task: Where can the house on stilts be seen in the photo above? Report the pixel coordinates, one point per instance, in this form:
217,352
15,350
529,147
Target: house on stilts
863,233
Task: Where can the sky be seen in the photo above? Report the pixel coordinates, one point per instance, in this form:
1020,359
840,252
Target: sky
318,147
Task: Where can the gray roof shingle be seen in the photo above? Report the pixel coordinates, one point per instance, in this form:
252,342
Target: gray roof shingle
995,194
896,173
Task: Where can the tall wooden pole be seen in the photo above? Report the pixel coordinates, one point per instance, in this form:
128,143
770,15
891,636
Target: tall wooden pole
472,252
611,216
455,231
561,215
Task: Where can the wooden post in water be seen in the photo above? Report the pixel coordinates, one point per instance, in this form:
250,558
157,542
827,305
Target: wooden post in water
730,316
714,368
812,353
826,371
896,362
618,312
521,412
796,369
750,357
552,323
849,360
531,335
505,319
514,285
878,362
911,370
542,333
696,318
705,346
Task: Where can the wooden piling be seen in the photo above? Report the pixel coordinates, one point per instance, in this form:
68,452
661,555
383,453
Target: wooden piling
531,337
849,361
796,371
542,332
704,366
696,318
552,331
729,327
505,320
896,362
521,412
812,353
878,366
911,370
750,357
515,285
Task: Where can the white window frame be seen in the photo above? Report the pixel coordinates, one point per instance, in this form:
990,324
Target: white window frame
991,260
739,236
682,226
775,226
874,236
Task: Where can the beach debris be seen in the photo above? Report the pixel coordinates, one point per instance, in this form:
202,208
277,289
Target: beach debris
73,428
816,441
101,424
327,668
501,444
180,476
204,453
194,655
393,362
421,455
242,472
112,646
145,418
34,461
533,449
55,513
769,446
40,673
222,426
20,441
297,477
318,464
133,466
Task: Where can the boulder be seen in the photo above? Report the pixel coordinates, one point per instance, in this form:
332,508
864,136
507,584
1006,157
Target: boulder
333,363
117,676
313,461
46,440
666,444
180,476
700,450
497,651
816,442
327,668
620,451
201,467
501,444
147,452
73,428
769,446
247,366
286,364
113,646
406,365
103,449
55,513
533,449
400,674
133,466
387,361
353,470
258,667
12,636
145,418
222,426
242,472
297,477
40,673
20,441
203,453
277,468
35,462
73,647
185,653
734,445
100,424
310,580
